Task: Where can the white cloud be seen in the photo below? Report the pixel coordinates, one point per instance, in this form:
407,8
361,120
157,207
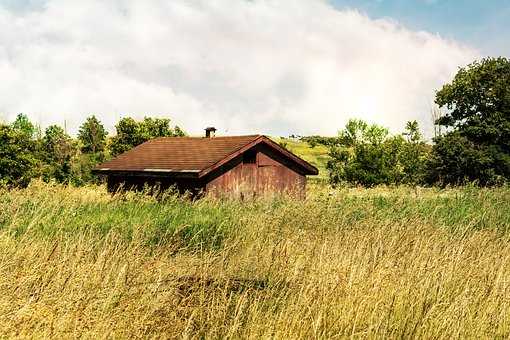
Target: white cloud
276,67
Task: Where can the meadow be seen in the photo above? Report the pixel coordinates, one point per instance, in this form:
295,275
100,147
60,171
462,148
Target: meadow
382,262
317,155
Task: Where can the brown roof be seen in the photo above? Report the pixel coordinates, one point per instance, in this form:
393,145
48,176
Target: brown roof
189,154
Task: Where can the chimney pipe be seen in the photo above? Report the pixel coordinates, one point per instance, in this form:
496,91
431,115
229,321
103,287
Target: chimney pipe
210,132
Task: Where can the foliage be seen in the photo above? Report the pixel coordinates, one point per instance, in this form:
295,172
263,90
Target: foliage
315,140
414,155
81,168
457,160
58,151
54,155
92,136
131,133
283,143
412,132
368,155
17,156
477,147
127,136
358,131
23,125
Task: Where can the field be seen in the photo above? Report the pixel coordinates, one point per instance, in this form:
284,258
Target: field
393,262
317,156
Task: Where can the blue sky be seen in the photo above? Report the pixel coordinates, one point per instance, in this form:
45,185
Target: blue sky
483,24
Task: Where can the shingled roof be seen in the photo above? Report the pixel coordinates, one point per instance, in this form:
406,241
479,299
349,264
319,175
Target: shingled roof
190,155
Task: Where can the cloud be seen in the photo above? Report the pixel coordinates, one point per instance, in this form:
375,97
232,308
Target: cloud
276,67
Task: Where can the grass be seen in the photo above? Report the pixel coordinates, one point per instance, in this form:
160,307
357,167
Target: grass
317,156
383,262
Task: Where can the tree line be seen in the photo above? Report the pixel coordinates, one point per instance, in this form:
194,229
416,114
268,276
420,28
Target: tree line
26,152
472,142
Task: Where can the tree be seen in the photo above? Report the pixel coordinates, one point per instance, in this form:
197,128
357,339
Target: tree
315,140
154,127
457,160
477,144
24,125
92,136
412,132
17,158
354,132
364,157
435,115
414,155
178,132
370,156
127,136
131,133
58,150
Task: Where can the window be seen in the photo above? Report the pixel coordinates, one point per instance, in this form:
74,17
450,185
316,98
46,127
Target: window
250,157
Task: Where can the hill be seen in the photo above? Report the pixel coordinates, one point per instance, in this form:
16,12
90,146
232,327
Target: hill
317,156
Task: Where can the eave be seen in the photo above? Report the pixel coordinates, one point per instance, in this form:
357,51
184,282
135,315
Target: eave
149,173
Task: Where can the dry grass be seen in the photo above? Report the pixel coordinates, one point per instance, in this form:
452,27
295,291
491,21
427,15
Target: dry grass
363,263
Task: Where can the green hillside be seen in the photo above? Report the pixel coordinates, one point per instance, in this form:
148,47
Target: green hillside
318,155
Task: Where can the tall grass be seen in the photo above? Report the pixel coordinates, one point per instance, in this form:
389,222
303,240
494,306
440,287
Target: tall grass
393,262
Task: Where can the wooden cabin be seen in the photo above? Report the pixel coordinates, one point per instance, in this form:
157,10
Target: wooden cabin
236,166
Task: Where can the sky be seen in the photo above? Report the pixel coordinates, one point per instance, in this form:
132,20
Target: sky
276,67
481,23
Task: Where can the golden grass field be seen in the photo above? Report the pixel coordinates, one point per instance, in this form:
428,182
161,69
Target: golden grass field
361,263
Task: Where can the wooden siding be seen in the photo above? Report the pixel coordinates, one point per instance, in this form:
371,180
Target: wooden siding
267,176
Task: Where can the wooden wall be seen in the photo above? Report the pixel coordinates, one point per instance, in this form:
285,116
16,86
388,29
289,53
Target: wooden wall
264,177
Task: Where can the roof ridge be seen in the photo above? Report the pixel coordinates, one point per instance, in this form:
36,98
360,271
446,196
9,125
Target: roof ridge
203,137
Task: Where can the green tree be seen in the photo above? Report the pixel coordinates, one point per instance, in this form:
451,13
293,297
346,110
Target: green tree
315,140
414,155
131,133
92,136
477,146
58,151
17,159
127,136
412,132
369,155
81,168
154,127
364,157
24,125
457,160
354,132
178,132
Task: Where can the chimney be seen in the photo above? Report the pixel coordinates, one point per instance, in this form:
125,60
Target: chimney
210,132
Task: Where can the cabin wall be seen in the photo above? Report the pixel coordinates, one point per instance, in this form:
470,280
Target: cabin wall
265,176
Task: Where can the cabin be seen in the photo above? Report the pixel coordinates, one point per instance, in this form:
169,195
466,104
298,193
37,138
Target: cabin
233,166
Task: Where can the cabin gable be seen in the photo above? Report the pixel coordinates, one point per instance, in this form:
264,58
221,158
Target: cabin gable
256,172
